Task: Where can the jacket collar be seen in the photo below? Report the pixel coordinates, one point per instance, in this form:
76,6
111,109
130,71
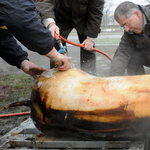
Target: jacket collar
146,11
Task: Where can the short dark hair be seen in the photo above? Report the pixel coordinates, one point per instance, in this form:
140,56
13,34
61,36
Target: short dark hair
126,8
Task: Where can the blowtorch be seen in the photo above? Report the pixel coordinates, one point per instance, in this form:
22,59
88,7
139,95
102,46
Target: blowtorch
62,50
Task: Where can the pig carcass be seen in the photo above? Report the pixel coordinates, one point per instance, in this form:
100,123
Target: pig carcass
96,108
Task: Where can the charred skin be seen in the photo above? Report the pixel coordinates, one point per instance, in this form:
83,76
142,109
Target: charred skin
112,108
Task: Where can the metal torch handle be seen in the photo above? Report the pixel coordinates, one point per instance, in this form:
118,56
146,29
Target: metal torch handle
57,63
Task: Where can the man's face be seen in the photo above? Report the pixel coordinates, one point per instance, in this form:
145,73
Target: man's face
133,23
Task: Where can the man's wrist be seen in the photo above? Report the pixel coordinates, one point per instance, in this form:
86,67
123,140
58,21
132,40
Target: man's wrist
52,54
48,21
52,23
91,39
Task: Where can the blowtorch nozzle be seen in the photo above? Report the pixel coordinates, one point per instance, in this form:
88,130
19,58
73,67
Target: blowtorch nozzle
62,49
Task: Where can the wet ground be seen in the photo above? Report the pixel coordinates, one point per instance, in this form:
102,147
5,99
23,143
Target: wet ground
103,63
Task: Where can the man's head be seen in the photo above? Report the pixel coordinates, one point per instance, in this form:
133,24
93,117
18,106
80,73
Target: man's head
129,16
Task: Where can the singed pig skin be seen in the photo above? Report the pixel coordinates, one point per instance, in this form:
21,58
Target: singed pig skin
92,107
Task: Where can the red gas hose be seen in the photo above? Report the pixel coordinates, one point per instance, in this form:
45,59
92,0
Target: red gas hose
15,114
82,46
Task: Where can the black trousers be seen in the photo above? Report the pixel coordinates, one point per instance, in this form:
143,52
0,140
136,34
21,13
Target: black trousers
139,59
87,58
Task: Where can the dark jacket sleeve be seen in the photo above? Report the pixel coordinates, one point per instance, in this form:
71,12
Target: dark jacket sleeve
25,24
94,18
45,9
122,56
10,51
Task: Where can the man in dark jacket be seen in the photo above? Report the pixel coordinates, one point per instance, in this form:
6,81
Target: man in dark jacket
13,54
19,19
133,52
83,15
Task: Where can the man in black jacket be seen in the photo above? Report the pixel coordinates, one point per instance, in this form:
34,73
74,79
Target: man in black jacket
19,19
133,52
85,16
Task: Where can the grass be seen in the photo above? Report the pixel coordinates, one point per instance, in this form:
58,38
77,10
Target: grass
17,87
22,82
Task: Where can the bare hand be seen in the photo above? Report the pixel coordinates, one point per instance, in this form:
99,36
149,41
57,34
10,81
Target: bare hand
65,62
54,55
31,69
88,44
53,29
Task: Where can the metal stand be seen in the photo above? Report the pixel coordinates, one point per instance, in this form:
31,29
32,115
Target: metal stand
27,136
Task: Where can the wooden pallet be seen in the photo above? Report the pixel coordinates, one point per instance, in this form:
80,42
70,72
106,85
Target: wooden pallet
27,136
